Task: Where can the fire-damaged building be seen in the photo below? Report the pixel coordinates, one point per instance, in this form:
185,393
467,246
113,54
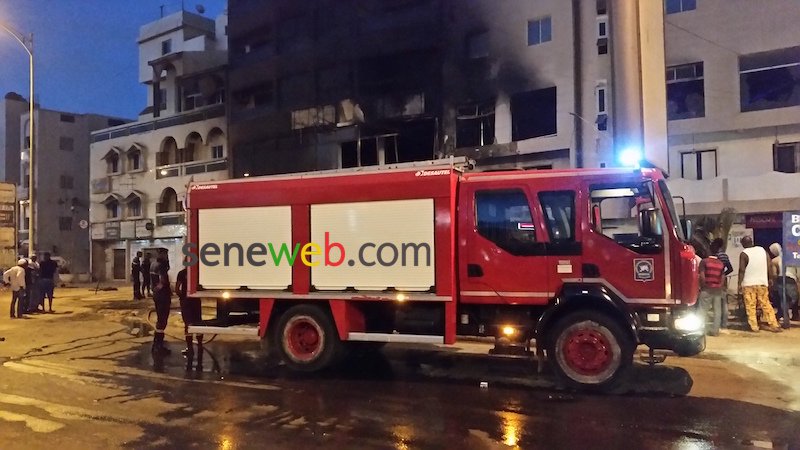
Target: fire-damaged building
335,84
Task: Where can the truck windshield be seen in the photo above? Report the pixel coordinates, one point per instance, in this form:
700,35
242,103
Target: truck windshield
669,205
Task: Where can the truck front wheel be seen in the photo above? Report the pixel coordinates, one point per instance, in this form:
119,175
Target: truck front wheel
589,350
306,338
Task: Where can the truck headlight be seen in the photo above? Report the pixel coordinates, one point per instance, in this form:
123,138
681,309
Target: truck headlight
689,322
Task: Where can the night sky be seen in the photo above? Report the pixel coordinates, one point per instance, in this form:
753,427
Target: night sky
85,51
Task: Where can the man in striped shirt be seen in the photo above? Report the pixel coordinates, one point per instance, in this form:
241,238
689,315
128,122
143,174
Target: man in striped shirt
712,288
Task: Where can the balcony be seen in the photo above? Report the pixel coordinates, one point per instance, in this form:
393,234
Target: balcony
770,191
191,168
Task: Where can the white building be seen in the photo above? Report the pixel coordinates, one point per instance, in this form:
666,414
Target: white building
734,90
140,171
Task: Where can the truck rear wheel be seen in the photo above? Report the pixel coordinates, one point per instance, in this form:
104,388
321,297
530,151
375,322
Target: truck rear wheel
589,350
306,338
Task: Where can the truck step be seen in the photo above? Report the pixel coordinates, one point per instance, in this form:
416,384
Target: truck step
391,337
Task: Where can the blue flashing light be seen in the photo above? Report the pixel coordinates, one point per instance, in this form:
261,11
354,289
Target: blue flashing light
630,157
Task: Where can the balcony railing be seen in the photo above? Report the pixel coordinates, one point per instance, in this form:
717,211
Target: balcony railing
175,218
204,113
191,168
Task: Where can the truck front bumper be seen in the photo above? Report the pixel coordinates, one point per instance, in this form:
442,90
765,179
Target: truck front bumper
680,330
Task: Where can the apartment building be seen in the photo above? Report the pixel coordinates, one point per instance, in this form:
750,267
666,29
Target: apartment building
140,170
61,198
734,108
335,84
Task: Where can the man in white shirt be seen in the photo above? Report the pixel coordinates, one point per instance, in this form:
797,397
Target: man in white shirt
15,277
754,282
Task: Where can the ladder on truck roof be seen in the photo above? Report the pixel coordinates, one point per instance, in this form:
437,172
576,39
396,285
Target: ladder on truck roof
459,163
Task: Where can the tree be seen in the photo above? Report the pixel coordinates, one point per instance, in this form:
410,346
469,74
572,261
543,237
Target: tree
708,228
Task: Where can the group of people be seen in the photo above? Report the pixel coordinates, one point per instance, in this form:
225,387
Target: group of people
761,281
31,282
153,279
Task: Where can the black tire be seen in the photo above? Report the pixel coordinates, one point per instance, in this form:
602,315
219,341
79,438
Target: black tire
589,350
306,339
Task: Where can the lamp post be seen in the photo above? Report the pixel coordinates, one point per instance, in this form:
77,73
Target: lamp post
27,44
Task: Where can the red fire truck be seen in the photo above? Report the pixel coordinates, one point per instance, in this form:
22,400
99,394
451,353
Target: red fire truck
587,263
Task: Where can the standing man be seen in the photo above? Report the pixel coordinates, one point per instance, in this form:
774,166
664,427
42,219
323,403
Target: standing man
753,284
47,284
719,244
712,288
146,281
15,277
136,273
776,291
191,312
162,297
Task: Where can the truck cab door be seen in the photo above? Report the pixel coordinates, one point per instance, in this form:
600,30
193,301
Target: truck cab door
561,222
502,255
625,244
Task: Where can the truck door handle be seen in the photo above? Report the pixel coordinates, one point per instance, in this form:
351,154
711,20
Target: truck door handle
474,270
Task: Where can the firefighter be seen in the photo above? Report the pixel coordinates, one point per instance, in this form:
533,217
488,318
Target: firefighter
191,313
162,297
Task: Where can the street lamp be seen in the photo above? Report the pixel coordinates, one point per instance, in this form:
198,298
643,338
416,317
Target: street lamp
27,44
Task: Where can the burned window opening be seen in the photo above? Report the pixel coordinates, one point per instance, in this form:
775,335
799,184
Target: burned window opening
475,125
685,91
533,114
786,157
770,80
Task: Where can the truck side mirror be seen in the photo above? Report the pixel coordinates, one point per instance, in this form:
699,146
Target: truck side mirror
688,227
649,225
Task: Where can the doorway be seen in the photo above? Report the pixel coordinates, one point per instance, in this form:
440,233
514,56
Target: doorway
120,264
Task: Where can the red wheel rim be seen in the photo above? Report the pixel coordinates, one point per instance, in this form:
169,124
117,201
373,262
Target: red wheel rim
587,351
303,338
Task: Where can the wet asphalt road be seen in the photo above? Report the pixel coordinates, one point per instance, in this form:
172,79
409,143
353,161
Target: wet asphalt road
412,400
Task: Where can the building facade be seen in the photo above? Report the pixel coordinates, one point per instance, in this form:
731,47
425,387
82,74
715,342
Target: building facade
734,105
61,199
140,171
11,109
512,84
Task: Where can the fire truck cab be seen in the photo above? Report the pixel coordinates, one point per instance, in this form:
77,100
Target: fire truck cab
586,263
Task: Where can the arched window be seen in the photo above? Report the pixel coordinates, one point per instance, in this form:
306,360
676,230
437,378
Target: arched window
112,207
133,204
169,202
194,143
168,153
112,162
216,142
134,159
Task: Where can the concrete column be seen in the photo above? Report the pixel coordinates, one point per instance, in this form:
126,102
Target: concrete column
639,111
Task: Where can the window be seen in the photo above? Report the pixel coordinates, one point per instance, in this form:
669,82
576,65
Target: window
66,144
134,160
786,157
685,91
539,31
112,163
135,207
475,125
770,80
67,118
602,7
559,214
478,45
27,142
66,182
602,35
112,209
601,97
504,218
166,46
162,99
217,152
533,114
676,6
65,223
699,164
615,214
192,98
